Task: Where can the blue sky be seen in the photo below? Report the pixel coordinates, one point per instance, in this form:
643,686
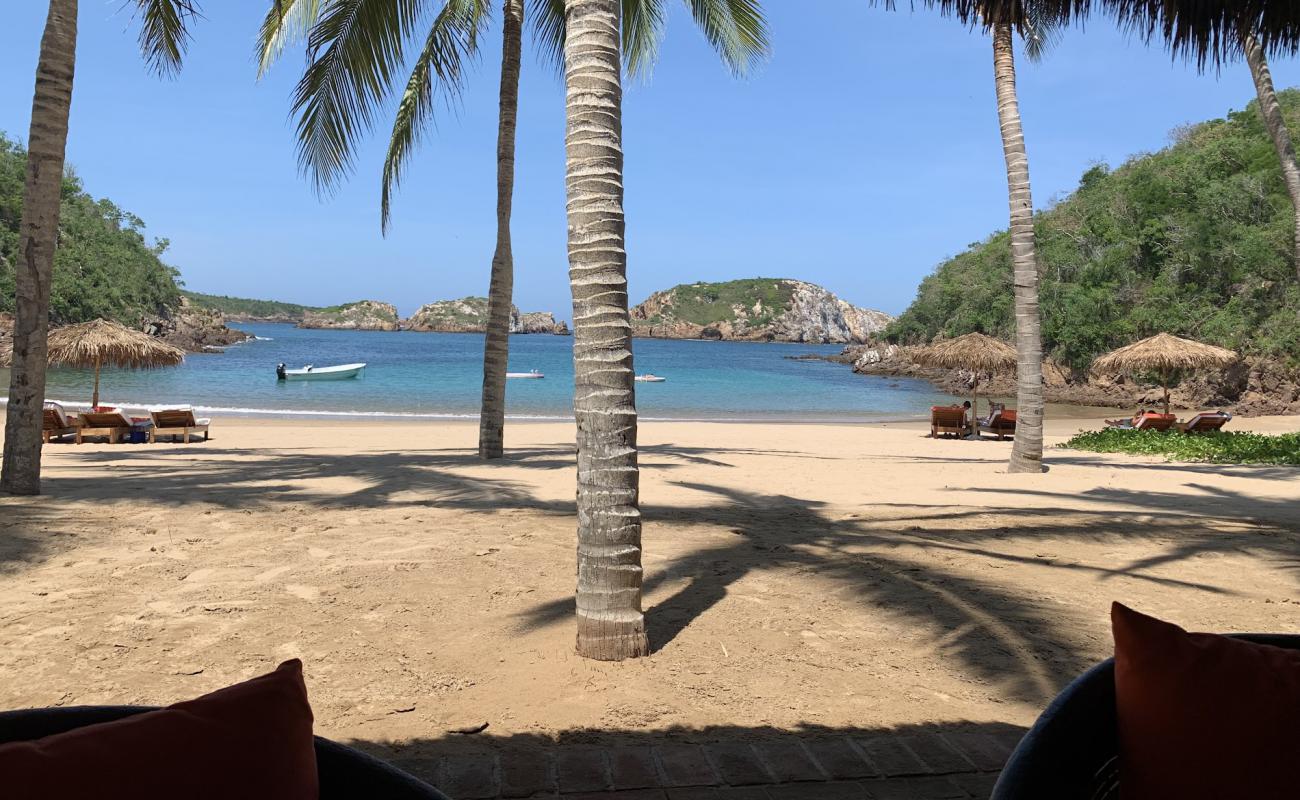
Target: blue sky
861,155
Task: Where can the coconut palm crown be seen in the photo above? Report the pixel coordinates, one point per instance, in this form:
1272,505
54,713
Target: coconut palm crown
355,49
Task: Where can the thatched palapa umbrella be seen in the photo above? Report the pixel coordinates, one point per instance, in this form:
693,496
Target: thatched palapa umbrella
975,352
100,342
1166,356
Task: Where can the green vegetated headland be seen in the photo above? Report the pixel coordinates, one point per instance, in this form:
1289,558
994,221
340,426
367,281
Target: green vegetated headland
104,265
1194,240
237,307
710,303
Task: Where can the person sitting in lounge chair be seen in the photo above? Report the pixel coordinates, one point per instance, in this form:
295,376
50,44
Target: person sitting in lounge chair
1144,420
1001,421
949,420
1131,422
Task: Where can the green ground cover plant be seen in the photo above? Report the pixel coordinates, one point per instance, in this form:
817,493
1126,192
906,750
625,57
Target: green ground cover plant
1220,447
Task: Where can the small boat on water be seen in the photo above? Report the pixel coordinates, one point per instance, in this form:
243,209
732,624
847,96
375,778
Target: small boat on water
312,373
650,377
529,374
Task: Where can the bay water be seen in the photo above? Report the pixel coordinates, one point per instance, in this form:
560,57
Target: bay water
431,375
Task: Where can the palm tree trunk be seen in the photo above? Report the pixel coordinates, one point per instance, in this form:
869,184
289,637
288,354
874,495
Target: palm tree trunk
1027,450
1273,120
37,238
611,626
496,344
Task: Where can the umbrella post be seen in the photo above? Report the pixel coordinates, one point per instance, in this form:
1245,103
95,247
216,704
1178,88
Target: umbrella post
1165,382
94,398
974,401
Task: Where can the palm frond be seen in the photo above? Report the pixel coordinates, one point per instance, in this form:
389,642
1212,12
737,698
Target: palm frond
451,43
1041,28
643,25
164,32
287,23
1199,30
547,20
353,52
737,29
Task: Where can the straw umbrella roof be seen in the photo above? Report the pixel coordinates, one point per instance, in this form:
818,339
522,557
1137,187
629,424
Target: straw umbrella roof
1164,353
973,351
89,344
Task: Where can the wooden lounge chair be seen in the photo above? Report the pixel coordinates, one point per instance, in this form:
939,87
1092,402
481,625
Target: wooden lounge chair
112,424
1205,422
1155,422
1000,422
946,420
55,424
175,422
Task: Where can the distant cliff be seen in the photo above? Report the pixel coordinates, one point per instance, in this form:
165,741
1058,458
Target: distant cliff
755,309
469,315
363,315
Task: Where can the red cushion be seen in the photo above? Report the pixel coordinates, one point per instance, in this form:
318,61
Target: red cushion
250,740
1007,415
1203,715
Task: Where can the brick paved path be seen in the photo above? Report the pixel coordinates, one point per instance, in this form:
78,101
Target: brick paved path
918,766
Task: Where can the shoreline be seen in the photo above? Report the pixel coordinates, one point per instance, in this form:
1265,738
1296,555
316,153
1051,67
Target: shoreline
1054,411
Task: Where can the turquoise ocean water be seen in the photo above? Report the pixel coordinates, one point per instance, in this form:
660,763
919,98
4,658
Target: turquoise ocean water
439,376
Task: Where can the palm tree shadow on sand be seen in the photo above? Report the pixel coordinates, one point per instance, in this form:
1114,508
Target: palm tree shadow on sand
883,558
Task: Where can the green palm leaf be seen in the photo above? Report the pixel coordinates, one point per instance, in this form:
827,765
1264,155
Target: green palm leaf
353,51
164,33
736,29
452,40
287,23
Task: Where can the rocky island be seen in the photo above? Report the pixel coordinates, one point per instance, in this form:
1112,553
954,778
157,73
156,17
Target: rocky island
755,309
469,315
363,315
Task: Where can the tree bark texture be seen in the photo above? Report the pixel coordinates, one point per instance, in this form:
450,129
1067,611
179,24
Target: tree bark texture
611,625
38,236
1027,449
496,342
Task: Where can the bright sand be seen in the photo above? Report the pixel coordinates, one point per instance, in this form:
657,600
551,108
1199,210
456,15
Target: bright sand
796,574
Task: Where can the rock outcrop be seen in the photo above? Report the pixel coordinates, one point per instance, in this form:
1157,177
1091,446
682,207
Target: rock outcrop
758,309
196,330
363,315
469,315
1254,387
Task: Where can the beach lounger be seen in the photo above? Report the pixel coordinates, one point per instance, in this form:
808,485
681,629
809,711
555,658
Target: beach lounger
112,424
1001,422
55,424
945,420
175,422
1150,421
1205,422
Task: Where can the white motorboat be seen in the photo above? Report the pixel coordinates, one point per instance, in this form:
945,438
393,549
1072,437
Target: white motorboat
650,378
530,374
313,373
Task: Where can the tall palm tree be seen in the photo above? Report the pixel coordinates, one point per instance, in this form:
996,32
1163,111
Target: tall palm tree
1271,111
1027,449
1037,21
163,39
354,49
611,626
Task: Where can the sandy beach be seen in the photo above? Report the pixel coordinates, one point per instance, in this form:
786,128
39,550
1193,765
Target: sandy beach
796,575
